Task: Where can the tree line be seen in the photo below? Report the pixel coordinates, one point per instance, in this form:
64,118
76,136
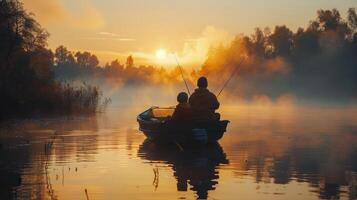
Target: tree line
27,83
71,66
316,62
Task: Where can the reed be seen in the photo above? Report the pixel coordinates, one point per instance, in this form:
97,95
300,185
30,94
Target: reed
53,98
81,99
86,192
155,182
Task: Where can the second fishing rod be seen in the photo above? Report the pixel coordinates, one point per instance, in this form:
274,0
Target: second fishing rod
225,83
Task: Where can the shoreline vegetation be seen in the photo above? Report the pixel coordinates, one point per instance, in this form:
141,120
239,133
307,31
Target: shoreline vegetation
316,62
27,82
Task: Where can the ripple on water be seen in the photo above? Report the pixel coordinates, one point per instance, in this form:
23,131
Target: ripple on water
265,154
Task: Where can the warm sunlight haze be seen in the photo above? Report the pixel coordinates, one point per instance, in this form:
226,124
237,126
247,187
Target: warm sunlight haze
113,29
178,100
161,54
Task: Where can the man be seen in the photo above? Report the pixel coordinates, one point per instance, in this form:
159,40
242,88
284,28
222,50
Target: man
203,102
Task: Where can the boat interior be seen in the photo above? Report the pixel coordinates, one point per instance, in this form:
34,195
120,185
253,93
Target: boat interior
157,113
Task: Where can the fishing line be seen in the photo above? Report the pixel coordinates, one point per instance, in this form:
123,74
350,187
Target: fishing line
183,77
234,72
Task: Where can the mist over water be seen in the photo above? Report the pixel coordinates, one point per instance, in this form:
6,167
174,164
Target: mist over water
291,106
270,152
165,95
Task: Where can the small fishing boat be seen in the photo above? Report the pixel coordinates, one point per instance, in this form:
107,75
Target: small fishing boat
156,124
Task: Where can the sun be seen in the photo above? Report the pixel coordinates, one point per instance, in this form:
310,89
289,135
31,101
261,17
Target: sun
161,54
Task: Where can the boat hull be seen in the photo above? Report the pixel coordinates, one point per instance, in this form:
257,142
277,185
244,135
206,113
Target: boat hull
182,132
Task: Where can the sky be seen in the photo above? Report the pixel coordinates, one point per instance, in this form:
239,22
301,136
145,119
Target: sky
154,31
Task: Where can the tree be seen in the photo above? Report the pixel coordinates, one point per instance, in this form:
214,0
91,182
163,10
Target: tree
86,60
63,56
114,69
281,41
130,61
19,32
330,20
115,64
25,63
41,62
352,19
259,42
306,43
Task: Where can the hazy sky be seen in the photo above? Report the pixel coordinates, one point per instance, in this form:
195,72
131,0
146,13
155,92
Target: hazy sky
117,28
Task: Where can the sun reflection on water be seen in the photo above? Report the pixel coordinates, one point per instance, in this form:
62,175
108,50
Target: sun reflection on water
267,153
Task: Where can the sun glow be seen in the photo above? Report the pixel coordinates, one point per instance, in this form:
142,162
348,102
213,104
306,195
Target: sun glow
161,54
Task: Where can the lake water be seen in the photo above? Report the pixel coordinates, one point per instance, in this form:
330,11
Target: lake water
267,153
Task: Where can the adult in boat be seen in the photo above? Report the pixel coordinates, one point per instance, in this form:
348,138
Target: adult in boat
203,102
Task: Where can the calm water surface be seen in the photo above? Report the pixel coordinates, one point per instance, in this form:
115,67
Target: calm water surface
267,153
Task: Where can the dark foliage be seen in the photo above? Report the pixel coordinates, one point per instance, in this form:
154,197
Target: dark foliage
27,82
317,62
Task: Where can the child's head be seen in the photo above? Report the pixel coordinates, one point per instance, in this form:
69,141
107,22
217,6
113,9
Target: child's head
182,97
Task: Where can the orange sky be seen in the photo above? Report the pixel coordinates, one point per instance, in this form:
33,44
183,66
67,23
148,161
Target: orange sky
114,29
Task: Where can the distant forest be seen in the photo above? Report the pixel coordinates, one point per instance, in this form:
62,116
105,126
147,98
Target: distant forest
317,62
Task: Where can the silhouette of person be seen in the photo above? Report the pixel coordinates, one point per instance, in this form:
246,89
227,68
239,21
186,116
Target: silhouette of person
203,102
182,111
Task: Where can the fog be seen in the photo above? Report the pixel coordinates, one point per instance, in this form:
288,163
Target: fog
274,66
314,65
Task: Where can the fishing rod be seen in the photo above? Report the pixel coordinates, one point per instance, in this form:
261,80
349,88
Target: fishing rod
183,77
234,72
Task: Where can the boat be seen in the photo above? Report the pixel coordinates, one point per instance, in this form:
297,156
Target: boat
156,124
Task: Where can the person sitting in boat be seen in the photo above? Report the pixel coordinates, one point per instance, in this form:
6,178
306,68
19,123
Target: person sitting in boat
182,111
203,102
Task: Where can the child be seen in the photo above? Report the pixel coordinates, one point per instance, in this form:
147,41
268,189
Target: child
182,111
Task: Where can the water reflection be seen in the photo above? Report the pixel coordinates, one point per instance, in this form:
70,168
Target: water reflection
329,174
9,177
272,155
196,166
29,147
316,146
